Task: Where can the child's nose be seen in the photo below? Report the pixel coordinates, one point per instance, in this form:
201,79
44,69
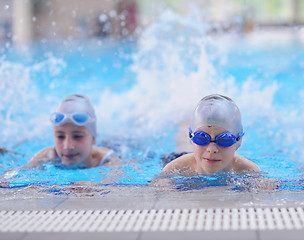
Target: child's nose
212,147
68,143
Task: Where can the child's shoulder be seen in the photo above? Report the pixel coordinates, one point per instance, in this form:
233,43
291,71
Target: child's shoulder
102,155
100,150
183,164
242,164
42,156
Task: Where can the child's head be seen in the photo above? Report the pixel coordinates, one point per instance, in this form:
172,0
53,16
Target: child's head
216,131
78,110
218,111
74,129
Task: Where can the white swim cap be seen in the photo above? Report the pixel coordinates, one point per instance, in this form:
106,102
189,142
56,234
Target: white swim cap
77,103
219,111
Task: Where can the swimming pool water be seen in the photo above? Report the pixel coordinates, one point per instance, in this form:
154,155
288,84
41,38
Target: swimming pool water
143,90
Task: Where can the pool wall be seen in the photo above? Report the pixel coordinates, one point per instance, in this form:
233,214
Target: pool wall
147,212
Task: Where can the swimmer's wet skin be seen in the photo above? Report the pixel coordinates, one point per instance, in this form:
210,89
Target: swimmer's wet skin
216,133
74,125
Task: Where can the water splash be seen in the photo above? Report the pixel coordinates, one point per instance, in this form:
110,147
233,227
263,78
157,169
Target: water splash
174,68
176,64
24,107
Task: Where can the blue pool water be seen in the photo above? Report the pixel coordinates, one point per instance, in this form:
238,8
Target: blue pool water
143,90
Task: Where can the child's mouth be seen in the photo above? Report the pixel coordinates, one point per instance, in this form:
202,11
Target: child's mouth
209,160
70,156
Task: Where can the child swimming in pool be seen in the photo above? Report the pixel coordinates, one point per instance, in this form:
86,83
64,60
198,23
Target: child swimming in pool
216,133
74,126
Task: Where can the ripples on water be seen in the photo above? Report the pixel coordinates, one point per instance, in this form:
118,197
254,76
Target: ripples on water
142,91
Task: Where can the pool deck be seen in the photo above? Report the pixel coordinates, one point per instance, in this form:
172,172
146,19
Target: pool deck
140,198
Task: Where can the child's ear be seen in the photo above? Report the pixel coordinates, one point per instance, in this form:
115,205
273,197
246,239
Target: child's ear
94,141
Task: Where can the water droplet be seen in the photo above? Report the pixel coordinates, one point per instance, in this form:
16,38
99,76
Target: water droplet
122,17
103,18
125,32
112,14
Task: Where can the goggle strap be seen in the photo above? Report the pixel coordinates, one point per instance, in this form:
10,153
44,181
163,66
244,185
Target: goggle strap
239,136
190,133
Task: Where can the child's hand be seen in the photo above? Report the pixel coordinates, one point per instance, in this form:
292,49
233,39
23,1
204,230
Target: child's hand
163,184
4,184
10,173
266,184
84,187
262,184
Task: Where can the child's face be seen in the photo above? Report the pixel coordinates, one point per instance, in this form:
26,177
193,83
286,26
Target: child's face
73,143
213,158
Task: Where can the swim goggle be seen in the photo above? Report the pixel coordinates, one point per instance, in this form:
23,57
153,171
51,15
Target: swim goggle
225,139
79,119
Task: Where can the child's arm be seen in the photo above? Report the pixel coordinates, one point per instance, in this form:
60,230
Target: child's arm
41,157
180,166
242,164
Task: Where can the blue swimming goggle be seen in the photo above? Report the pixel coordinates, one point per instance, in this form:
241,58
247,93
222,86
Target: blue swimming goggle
79,119
225,139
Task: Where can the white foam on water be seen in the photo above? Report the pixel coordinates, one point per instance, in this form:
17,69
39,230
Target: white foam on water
24,107
173,72
174,69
